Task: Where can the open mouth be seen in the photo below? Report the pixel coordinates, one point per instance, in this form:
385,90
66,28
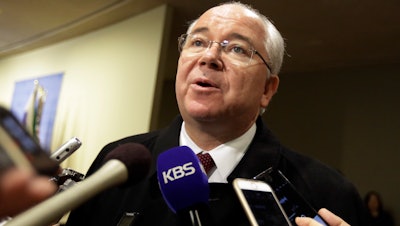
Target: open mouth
204,84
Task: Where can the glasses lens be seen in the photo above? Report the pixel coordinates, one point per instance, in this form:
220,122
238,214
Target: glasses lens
237,51
181,42
196,43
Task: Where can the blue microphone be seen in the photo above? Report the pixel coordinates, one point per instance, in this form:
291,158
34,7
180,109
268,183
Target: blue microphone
184,185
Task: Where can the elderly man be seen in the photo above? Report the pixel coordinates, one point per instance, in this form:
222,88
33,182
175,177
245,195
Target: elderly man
227,74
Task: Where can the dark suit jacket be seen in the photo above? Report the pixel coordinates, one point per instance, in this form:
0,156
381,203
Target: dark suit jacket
321,185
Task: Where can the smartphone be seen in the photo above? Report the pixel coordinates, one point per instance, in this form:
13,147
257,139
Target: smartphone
294,204
19,149
260,203
67,149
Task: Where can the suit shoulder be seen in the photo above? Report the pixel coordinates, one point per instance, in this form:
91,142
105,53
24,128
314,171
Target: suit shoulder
147,139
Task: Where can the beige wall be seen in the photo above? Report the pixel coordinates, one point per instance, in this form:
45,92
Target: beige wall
109,81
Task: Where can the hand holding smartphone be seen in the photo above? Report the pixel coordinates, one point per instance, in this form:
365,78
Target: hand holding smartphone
19,149
260,203
294,204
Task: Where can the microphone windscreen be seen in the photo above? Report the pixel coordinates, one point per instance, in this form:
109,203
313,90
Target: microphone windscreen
137,159
183,183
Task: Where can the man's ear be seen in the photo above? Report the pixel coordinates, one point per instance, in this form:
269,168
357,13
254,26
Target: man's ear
271,87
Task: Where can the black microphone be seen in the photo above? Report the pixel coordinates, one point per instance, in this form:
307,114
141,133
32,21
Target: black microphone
126,164
184,186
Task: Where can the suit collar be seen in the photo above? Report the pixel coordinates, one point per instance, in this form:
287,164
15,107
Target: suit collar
263,152
168,138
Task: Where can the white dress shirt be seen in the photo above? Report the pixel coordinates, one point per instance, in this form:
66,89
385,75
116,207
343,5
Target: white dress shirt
226,156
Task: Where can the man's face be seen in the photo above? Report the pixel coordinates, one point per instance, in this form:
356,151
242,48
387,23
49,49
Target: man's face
209,85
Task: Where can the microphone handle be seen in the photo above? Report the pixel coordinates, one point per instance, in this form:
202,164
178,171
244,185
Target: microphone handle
198,215
195,218
112,173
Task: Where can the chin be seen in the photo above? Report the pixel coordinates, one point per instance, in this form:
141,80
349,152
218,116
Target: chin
200,115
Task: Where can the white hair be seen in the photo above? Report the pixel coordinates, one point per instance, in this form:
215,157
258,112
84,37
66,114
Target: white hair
274,43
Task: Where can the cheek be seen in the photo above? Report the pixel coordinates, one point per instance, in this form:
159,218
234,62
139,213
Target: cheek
249,85
181,77
181,72
179,82
248,91
185,64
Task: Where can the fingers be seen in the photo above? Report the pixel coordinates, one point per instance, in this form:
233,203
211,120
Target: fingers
331,218
40,188
327,215
20,189
306,221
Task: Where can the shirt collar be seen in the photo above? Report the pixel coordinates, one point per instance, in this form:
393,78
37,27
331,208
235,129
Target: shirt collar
226,156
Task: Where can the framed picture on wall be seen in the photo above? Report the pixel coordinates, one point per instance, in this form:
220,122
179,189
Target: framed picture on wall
34,103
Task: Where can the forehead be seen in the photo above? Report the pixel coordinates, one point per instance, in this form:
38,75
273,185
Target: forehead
231,19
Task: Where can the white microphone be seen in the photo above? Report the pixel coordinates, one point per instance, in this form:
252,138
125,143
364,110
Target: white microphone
128,163
66,150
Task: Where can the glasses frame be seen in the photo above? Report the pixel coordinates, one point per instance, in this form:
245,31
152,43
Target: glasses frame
182,41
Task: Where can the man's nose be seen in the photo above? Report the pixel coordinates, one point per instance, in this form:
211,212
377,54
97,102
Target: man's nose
214,46
212,56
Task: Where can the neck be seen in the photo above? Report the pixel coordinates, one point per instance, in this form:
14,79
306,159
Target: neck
209,135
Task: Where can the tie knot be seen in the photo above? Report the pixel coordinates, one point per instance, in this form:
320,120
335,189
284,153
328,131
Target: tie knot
207,161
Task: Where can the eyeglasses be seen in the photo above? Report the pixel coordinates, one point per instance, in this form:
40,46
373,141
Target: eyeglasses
238,51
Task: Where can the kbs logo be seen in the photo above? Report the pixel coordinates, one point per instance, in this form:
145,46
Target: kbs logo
178,172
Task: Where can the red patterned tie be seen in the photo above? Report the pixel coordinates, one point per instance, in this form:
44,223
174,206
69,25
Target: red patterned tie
207,161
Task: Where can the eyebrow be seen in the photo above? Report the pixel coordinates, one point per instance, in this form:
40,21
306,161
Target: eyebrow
241,37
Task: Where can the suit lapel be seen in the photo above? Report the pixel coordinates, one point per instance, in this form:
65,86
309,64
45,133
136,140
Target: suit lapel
263,152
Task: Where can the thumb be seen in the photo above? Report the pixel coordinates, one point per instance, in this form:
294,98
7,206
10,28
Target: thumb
306,221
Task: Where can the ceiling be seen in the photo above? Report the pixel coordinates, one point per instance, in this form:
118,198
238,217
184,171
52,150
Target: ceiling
319,34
